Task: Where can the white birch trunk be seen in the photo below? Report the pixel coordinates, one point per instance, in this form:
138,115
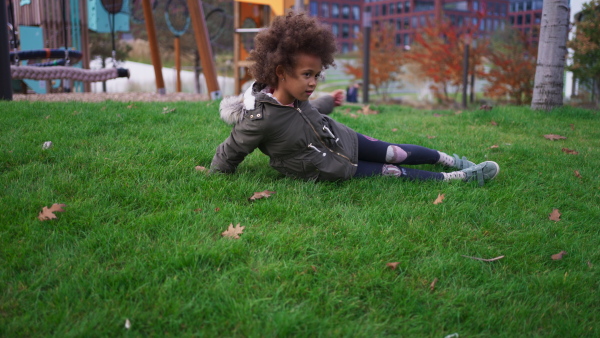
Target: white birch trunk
552,52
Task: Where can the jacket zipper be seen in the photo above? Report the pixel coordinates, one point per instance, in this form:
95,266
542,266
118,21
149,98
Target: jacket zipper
323,143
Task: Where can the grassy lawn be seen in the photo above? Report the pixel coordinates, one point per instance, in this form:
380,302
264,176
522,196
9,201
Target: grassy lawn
140,238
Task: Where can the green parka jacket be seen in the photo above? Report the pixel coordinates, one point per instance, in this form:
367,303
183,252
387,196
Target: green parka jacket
300,141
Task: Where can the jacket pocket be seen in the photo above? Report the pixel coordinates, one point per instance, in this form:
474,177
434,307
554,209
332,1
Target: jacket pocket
311,164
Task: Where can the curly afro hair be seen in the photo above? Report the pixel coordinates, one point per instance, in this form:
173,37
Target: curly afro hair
287,37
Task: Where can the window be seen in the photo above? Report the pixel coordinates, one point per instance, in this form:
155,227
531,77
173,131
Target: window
538,4
345,31
519,20
512,20
325,10
334,29
537,18
392,9
415,23
476,5
399,8
527,19
398,24
356,12
383,9
406,23
406,6
345,48
335,11
528,5
406,39
314,9
398,40
459,21
422,20
346,12
356,29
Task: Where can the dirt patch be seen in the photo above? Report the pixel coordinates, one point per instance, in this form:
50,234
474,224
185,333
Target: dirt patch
121,97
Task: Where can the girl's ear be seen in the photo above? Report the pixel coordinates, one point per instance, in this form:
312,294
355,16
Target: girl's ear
280,72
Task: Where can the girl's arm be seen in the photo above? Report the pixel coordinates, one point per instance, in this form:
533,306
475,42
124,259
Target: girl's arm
244,138
326,103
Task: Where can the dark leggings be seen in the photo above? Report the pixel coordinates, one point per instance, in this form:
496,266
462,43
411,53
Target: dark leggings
372,154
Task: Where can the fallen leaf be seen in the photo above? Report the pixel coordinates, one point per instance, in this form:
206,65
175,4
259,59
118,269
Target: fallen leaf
200,168
166,110
217,209
261,194
103,108
197,210
233,232
48,213
432,285
494,123
554,215
554,137
572,126
47,145
577,174
47,117
394,129
494,146
458,112
347,110
366,110
485,107
431,136
439,199
392,265
570,151
437,115
484,259
127,324
558,256
314,268
130,106
75,112
589,264
352,115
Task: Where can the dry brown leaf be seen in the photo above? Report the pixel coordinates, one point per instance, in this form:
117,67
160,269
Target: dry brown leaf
130,106
589,264
200,168
572,126
197,210
261,194
484,259
554,137
570,151
439,199
314,268
392,265
554,215
432,285
47,117
494,146
458,112
485,107
394,129
559,256
494,123
366,110
347,110
233,232
217,209
437,115
48,213
577,174
431,136
352,115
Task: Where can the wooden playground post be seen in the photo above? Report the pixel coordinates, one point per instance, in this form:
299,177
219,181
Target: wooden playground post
178,64
6,81
154,51
204,48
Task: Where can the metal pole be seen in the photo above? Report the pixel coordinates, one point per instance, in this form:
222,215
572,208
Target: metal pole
154,51
299,5
5,81
204,48
366,56
178,64
465,76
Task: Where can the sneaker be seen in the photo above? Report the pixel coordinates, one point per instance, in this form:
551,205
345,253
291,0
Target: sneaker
462,163
482,172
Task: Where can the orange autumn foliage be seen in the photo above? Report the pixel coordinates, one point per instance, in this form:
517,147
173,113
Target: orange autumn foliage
386,59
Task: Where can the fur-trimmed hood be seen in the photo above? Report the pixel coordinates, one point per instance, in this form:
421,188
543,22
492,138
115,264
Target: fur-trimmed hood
232,107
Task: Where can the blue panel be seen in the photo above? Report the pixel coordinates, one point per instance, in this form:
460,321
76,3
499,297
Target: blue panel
99,19
33,38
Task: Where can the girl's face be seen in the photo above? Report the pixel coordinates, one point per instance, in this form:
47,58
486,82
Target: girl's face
301,83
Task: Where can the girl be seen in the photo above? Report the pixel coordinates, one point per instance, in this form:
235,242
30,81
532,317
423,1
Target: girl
275,116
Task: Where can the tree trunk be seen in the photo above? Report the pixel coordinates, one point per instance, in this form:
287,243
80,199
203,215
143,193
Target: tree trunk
552,50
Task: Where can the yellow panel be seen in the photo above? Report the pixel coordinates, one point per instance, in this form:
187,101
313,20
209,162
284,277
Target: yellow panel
277,6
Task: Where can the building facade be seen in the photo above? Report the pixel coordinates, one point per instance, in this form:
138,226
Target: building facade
409,16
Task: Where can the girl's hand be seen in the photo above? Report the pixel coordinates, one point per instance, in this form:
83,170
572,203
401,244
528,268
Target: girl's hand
338,97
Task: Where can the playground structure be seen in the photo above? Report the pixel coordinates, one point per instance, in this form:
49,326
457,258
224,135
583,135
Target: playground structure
249,18
64,25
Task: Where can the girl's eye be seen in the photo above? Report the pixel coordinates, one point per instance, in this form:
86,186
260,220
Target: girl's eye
306,75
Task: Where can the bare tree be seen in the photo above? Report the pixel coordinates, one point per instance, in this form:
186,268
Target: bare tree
552,51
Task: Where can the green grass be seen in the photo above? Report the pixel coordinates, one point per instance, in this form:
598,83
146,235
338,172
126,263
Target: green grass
131,245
